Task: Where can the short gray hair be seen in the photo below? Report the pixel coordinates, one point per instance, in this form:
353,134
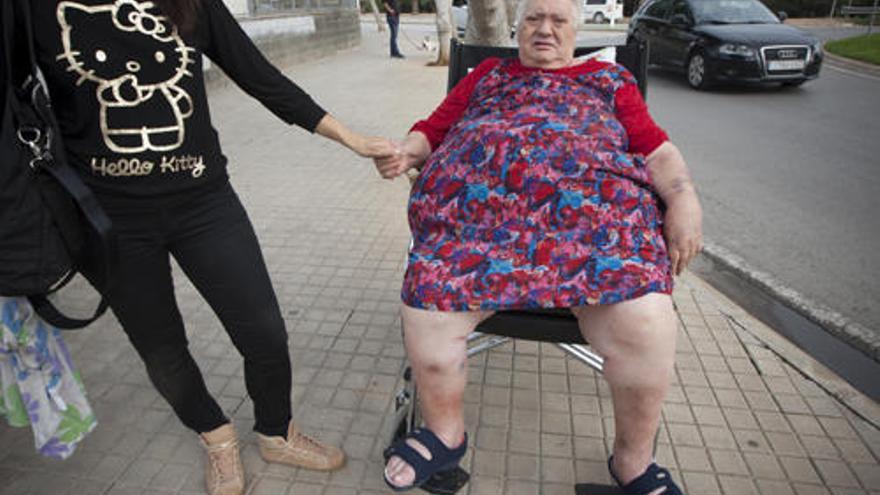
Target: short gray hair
576,9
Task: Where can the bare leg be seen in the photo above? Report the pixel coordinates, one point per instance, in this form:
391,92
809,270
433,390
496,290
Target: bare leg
637,340
436,345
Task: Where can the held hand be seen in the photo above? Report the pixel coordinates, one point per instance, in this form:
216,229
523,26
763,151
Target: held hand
683,231
373,147
390,167
407,156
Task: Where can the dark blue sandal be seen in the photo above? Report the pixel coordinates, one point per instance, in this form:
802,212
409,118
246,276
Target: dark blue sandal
442,457
653,478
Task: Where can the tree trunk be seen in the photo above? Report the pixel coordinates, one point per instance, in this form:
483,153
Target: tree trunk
487,23
511,13
415,6
444,30
379,22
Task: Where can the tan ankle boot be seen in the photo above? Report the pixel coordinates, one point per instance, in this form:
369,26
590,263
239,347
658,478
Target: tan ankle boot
224,474
298,449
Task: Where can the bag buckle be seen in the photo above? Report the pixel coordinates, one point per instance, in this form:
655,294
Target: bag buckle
31,137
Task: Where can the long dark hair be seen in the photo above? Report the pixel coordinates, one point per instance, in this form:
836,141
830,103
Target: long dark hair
183,13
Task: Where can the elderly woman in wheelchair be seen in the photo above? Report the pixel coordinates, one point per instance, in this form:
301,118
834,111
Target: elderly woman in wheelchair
544,183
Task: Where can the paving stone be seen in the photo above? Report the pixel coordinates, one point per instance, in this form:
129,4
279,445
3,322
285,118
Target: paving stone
709,415
718,437
557,470
701,483
800,469
520,487
819,447
523,467
693,458
803,489
728,462
685,435
764,466
485,485
140,472
586,425
836,473
838,428
556,445
736,485
591,449
868,475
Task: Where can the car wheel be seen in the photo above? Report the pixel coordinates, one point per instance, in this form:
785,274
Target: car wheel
697,71
599,18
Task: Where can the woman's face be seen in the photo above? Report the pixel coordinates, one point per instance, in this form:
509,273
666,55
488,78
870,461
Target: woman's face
546,34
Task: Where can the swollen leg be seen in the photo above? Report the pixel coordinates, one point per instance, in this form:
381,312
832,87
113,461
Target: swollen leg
436,345
637,340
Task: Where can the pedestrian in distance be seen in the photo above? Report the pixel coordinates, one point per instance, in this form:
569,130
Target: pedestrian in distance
392,15
127,85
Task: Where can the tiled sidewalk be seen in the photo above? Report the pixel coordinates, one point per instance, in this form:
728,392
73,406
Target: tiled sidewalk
746,414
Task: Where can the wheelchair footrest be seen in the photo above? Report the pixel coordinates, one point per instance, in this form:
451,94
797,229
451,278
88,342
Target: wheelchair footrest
447,482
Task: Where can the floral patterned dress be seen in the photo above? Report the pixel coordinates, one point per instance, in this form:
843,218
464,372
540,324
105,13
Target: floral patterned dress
536,194
38,384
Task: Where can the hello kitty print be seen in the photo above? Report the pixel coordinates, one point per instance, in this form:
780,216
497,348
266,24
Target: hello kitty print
142,105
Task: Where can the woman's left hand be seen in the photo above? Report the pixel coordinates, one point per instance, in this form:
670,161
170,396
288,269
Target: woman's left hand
683,230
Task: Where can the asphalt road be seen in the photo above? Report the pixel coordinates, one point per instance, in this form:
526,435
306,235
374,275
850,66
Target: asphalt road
789,178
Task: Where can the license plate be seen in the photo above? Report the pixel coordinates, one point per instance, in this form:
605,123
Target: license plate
785,65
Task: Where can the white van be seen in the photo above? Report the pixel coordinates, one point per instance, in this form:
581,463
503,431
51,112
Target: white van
599,11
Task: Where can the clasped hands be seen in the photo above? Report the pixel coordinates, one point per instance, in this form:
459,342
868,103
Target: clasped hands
393,158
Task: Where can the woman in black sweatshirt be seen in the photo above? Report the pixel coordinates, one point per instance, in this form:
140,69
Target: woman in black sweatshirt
125,77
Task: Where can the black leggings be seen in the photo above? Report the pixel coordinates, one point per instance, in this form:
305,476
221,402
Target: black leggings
209,234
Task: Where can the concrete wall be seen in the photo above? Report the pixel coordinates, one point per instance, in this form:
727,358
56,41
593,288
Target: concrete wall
237,7
296,37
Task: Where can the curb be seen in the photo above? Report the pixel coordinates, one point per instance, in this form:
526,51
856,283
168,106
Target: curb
853,65
838,325
802,361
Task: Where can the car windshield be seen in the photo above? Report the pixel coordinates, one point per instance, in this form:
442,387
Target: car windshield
732,12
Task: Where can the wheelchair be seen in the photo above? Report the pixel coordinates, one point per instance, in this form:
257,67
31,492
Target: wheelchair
557,326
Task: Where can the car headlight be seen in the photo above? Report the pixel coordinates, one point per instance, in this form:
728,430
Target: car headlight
816,49
737,50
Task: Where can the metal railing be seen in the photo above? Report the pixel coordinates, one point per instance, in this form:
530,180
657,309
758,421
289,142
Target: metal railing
872,11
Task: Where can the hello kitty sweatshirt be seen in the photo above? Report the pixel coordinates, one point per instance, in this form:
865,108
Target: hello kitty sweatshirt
129,91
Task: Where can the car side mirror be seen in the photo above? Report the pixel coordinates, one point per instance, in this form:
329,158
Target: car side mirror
782,15
680,20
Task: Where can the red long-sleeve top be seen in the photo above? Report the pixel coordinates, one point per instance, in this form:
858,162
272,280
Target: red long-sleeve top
632,112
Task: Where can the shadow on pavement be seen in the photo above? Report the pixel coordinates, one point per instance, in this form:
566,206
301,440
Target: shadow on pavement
593,489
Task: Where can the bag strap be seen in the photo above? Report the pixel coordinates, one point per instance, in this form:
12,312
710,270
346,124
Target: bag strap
102,225
52,160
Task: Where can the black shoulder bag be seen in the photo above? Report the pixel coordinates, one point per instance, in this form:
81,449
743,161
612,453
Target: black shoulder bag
47,214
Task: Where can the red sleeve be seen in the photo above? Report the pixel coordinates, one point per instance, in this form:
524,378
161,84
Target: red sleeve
437,125
644,135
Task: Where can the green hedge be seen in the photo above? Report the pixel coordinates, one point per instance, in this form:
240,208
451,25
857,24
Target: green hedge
865,48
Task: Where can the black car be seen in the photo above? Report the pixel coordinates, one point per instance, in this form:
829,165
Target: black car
726,40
